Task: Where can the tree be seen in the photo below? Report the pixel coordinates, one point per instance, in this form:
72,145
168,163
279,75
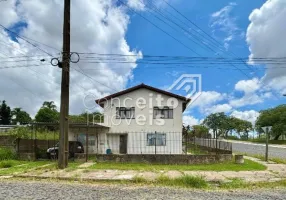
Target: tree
242,127
18,115
85,117
5,114
47,113
49,104
275,117
218,122
222,124
200,131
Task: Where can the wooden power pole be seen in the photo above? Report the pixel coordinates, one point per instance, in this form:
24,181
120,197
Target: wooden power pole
64,110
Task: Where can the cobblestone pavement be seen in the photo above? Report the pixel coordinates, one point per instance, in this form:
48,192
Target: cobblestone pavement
54,190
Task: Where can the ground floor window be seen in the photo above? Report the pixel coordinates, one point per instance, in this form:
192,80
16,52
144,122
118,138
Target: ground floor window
156,139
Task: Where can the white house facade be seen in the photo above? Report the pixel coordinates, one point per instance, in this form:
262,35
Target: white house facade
141,120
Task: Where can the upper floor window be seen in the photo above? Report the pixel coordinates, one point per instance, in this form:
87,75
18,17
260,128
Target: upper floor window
125,113
163,113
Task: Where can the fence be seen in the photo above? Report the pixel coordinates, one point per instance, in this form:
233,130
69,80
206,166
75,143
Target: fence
210,145
97,140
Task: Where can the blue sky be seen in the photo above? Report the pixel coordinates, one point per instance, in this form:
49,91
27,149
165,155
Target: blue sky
144,36
244,28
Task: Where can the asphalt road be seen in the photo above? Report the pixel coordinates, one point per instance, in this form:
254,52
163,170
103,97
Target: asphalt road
54,190
275,151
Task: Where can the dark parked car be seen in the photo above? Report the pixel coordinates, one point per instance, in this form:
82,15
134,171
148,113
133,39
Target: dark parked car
74,147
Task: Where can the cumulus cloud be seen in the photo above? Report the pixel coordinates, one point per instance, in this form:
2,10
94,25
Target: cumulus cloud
249,115
265,35
207,98
219,108
136,4
190,120
96,26
248,86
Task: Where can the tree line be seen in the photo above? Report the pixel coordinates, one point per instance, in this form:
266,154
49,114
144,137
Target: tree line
48,112
222,125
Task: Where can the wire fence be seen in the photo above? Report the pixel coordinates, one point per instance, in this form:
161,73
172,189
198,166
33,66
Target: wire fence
42,139
211,145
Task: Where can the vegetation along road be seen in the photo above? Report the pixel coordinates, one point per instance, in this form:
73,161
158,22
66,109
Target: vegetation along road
275,151
53,190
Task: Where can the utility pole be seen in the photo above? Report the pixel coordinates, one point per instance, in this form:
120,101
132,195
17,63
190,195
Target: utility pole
266,130
64,110
266,146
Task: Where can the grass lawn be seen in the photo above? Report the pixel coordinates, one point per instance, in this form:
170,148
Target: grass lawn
8,167
262,157
226,166
196,150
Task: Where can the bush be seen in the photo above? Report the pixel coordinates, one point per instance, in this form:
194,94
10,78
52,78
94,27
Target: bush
6,164
7,154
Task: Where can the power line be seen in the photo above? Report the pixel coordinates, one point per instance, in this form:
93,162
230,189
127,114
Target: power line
23,38
159,28
198,40
212,38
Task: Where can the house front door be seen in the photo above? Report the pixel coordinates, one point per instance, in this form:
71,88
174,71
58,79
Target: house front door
123,144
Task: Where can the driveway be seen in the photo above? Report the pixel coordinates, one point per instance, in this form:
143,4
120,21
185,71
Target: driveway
275,151
70,191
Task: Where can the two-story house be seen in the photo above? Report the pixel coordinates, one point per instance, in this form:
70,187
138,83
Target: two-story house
141,120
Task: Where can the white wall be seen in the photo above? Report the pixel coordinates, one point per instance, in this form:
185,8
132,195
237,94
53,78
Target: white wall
113,143
137,144
149,124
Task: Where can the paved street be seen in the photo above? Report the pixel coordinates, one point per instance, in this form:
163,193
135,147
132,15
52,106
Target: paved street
54,190
275,151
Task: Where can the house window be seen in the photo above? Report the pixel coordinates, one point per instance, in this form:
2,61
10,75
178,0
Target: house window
125,113
163,113
156,139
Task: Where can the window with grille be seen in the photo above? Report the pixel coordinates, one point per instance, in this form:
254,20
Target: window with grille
125,113
163,113
156,139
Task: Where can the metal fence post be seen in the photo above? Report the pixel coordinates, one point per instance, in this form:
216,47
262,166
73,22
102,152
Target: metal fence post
155,142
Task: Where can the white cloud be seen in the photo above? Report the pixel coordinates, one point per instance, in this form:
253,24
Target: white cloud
208,98
219,108
136,4
96,26
265,36
190,120
249,99
222,21
248,86
249,115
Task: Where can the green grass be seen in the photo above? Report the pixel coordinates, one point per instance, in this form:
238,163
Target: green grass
225,166
19,166
183,181
195,150
27,133
7,154
262,157
240,184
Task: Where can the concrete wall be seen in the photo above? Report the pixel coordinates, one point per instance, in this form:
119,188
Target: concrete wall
144,109
164,159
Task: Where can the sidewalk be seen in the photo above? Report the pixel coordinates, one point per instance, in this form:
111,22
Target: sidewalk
274,172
